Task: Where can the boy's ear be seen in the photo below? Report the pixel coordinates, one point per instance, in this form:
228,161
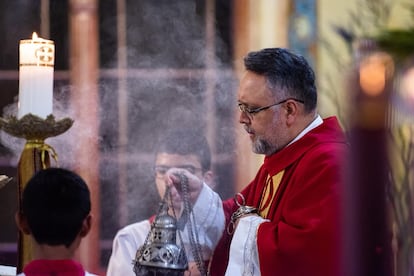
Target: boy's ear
22,223
86,226
208,177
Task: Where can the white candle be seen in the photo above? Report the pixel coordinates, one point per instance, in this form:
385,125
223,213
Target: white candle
37,56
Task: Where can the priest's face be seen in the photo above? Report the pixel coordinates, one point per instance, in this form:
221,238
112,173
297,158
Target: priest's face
261,115
165,161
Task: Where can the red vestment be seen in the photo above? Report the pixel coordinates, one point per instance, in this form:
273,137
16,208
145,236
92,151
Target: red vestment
303,235
53,267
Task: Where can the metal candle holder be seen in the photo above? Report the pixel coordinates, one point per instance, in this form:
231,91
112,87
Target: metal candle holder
34,157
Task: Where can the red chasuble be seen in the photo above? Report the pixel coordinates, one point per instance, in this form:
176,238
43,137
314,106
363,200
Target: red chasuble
299,190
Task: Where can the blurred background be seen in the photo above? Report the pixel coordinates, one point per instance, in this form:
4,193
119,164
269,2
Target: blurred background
126,71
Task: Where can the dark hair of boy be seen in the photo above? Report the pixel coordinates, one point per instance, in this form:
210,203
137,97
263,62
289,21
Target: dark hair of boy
55,203
187,141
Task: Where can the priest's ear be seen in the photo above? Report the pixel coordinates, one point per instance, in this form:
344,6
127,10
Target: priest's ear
22,223
292,111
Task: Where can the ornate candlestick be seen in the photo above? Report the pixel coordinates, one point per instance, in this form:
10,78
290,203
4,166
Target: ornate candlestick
34,157
367,240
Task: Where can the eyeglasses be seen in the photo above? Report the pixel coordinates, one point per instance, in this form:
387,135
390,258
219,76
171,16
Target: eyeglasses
251,111
161,170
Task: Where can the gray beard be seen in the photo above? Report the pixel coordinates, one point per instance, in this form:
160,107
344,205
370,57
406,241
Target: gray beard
263,147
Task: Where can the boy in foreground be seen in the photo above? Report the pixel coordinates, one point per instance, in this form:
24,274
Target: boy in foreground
55,212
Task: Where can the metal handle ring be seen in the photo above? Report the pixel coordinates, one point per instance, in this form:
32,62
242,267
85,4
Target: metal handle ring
241,197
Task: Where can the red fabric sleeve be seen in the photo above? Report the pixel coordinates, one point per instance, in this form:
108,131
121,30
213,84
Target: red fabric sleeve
218,264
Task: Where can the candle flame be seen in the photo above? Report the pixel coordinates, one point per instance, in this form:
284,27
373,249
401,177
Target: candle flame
34,36
374,72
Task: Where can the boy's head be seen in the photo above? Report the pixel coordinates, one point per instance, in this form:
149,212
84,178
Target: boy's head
183,148
55,205
187,141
